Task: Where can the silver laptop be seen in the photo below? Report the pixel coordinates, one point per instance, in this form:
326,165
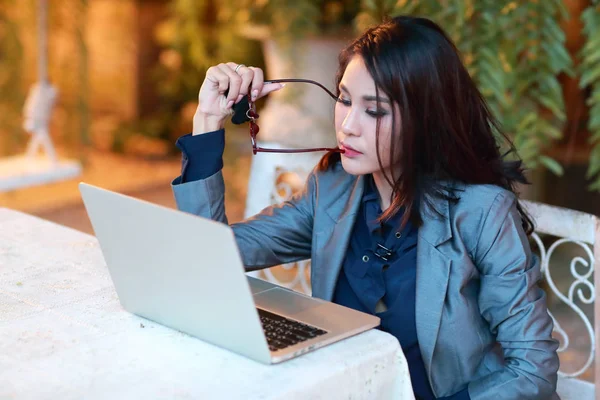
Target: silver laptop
185,272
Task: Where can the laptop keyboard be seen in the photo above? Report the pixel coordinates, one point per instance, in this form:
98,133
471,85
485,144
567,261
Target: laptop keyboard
282,332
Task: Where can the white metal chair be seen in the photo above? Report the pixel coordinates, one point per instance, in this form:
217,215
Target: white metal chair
581,229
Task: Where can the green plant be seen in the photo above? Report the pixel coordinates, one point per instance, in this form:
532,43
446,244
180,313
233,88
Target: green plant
192,38
198,34
515,51
590,78
287,20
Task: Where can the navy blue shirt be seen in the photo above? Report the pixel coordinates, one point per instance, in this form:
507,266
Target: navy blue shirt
369,275
202,155
365,277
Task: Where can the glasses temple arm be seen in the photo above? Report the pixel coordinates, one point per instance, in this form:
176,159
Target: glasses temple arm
303,81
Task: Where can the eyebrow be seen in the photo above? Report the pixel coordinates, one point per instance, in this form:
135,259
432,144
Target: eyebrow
343,88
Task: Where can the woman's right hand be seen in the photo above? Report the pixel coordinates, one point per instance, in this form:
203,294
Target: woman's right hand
214,107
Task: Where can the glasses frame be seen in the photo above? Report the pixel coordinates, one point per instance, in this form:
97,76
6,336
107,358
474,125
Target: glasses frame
252,116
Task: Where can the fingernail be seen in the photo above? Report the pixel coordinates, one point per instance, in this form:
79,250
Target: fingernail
241,96
230,104
254,94
283,84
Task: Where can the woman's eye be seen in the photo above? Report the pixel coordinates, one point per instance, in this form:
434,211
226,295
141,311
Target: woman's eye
377,113
373,113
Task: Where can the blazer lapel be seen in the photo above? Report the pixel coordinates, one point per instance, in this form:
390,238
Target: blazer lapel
332,243
433,271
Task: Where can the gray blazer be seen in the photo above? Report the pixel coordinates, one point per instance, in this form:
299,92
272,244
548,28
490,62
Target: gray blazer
481,318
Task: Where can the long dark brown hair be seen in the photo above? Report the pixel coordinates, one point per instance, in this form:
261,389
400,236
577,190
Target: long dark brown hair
447,130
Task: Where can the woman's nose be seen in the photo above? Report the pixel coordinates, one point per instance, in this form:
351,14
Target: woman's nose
350,124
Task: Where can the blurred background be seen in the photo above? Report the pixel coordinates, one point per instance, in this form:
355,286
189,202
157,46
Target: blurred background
128,73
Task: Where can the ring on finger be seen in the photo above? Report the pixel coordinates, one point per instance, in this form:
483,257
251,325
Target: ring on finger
238,67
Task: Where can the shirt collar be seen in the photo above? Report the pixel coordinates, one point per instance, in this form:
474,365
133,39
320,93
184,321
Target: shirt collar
372,207
370,192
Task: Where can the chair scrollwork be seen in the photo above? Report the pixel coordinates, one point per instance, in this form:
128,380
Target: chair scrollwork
581,289
293,275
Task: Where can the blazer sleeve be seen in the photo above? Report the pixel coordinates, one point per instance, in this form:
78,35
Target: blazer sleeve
515,307
277,235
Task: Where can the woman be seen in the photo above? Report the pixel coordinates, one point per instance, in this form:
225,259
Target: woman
422,177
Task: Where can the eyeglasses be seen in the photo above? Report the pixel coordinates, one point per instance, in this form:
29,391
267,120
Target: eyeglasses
245,111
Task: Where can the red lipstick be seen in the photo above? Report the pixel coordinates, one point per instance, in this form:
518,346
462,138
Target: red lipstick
349,151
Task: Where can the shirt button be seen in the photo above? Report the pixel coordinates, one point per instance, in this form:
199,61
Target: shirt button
398,235
365,258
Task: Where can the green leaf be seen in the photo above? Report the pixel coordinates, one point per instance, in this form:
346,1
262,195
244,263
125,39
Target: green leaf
589,62
591,44
590,18
551,164
489,55
528,122
594,122
563,10
370,5
491,80
595,187
558,57
548,130
550,87
596,93
594,167
553,30
554,106
529,146
589,76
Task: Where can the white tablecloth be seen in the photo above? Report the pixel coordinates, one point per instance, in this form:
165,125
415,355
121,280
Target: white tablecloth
64,335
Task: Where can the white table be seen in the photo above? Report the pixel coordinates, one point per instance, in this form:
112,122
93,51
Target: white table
64,335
